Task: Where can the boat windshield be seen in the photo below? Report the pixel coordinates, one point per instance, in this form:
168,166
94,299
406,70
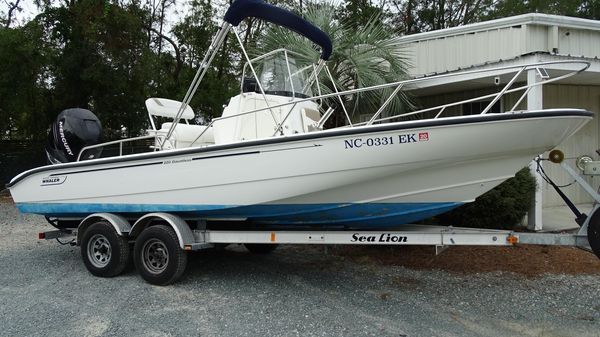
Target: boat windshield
282,78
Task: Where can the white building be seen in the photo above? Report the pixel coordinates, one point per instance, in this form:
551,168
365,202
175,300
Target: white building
519,40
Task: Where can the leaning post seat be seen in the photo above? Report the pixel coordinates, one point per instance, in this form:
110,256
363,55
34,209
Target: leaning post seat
163,107
185,134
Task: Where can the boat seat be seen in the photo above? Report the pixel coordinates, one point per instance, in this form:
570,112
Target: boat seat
310,119
185,134
164,107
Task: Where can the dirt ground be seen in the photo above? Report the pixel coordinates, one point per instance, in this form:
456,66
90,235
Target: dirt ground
5,197
526,260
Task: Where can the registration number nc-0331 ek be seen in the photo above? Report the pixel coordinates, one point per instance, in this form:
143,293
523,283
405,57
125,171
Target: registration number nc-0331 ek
356,143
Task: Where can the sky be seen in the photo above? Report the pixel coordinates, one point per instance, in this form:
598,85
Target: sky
29,10
175,14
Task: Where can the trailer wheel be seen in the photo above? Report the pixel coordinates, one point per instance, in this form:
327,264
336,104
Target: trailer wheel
260,248
105,253
157,255
593,233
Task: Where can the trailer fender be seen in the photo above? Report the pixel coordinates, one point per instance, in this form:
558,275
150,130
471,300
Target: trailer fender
181,228
120,224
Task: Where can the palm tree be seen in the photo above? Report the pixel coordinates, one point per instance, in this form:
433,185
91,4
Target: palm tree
362,57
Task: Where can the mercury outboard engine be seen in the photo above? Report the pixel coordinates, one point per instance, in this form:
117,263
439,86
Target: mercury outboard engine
73,130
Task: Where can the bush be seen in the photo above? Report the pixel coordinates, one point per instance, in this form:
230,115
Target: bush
500,208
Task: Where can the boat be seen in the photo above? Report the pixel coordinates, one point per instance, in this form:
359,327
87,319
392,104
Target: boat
269,160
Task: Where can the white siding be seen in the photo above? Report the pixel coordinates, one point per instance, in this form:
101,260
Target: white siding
536,39
578,42
465,50
585,142
503,39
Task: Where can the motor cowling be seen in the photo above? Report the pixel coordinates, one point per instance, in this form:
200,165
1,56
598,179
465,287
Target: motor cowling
73,130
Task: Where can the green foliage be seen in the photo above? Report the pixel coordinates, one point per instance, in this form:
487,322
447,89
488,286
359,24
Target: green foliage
500,208
358,13
586,8
195,34
416,16
589,9
107,57
101,62
22,82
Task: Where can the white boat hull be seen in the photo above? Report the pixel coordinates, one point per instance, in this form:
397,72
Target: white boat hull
367,176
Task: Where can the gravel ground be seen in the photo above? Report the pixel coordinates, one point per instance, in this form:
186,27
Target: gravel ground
296,291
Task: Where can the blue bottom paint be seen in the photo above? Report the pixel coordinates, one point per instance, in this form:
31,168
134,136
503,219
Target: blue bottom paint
343,214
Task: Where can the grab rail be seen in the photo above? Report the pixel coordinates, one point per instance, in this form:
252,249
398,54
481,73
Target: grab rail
406,84
156,137
519,69
505,90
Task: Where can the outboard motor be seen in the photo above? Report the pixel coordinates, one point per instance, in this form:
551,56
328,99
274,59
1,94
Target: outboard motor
73,130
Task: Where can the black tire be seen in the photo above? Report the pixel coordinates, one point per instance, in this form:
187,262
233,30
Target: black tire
260,248
593,232
105,253
157,255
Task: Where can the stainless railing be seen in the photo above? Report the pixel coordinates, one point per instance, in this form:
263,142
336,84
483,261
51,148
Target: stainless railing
518,69
539,68
158,139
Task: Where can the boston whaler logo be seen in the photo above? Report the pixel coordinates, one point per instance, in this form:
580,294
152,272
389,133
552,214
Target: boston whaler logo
53,180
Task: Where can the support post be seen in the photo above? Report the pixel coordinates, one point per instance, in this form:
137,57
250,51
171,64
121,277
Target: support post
535,102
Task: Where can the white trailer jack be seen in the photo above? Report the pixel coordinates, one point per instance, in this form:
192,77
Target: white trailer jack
590,224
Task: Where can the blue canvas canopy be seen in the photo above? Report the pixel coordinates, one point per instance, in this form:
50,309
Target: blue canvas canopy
242,9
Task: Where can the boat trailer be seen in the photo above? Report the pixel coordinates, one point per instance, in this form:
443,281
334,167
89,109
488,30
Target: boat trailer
161,240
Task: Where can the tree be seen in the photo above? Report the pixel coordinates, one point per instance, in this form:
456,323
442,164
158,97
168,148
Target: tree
589,9
505,8
12,8
362,57
416,16
101,62
358,13
23,91
195,33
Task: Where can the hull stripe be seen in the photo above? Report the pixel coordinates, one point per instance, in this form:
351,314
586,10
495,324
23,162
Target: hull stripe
371,214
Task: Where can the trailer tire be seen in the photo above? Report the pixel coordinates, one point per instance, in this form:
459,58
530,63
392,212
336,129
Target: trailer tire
105,253
157,255
260,248
593,233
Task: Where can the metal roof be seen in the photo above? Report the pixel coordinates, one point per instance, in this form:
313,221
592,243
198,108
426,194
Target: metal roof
531,18
503,39
464,82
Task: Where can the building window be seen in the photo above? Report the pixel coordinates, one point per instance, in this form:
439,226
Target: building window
474,108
